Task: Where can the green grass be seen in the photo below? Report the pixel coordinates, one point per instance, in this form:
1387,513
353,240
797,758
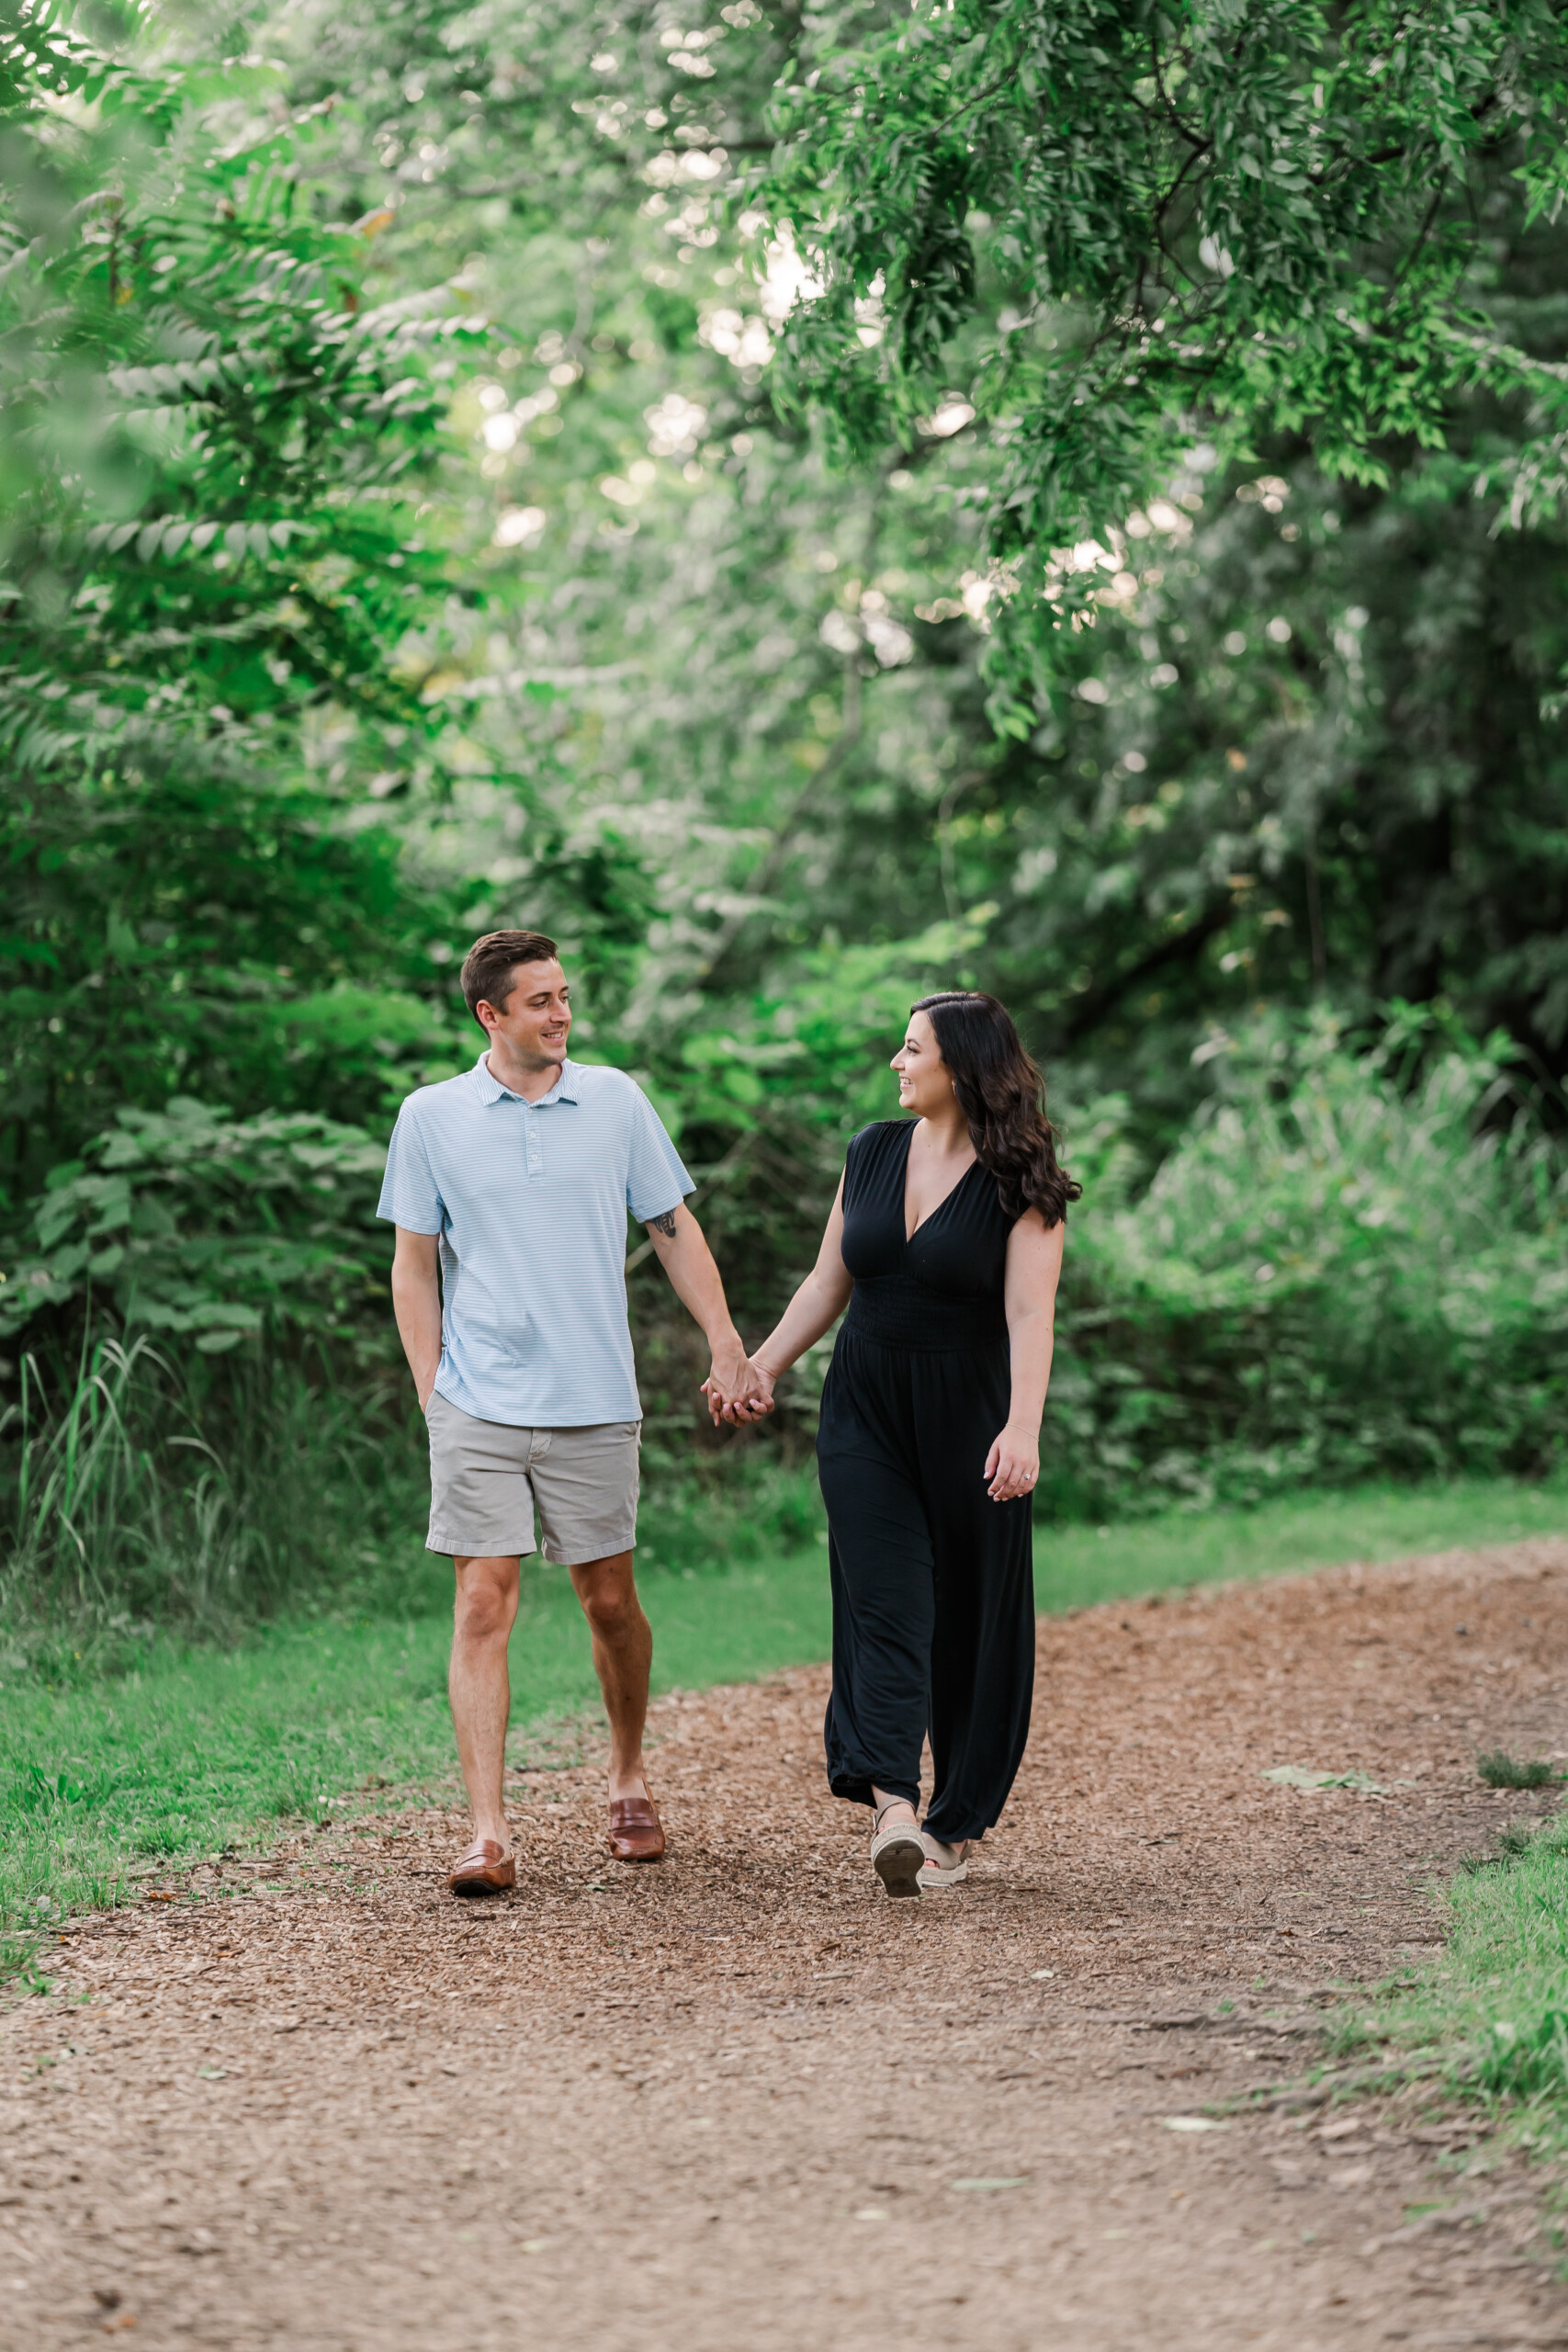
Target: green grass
1076,1565
109,1782
1488,2019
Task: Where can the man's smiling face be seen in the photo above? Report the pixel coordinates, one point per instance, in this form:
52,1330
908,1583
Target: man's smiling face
536,1021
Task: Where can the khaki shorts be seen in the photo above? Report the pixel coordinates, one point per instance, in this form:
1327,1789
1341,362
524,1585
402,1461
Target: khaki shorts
487,1480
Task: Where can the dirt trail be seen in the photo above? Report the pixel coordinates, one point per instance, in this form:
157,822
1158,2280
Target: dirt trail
741,2101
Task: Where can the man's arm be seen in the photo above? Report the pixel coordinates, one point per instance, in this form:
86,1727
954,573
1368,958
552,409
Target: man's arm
678,1244
416,1301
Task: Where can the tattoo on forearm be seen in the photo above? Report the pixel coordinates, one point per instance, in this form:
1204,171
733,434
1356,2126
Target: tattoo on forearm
664,1224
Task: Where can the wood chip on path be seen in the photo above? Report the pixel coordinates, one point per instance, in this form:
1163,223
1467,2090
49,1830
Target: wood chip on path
740,2101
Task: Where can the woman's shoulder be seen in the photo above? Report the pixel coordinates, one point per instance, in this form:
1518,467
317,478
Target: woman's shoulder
873,1156
870,1141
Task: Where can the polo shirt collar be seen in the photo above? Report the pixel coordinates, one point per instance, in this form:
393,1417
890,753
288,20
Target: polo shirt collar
491,1090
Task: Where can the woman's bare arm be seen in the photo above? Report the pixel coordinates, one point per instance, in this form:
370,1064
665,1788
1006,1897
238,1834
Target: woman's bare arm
1034,1270
814,1308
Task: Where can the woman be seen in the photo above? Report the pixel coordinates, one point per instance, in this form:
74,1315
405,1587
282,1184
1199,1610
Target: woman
945,1243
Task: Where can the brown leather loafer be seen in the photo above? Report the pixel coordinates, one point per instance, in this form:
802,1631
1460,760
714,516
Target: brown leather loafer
485,1868
636,1834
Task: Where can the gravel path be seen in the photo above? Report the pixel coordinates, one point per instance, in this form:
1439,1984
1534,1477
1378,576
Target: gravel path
741,2101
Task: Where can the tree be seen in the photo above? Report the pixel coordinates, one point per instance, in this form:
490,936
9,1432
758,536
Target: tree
1108,224
338,626
212,457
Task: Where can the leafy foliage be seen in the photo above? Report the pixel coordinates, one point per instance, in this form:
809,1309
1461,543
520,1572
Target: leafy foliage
411,521
1334,1274
188,1221
1108,220
211,455
1308,744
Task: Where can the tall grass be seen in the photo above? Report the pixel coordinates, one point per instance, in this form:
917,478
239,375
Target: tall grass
132,1497
92,1497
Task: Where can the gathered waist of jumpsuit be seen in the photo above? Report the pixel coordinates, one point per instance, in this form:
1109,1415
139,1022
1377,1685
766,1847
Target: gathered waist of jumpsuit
897,1311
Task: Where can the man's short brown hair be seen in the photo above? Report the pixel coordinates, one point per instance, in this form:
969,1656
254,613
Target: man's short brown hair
489,965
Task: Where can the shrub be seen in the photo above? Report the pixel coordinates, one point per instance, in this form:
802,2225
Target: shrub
190,1222
1335,1274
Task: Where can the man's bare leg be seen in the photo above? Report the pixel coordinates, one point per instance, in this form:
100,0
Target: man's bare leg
479,1689
622,1656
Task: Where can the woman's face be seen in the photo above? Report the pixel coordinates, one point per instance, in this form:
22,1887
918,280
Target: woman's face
925,1082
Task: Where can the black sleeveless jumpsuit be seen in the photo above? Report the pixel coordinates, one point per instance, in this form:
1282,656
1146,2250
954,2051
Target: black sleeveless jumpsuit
933,1596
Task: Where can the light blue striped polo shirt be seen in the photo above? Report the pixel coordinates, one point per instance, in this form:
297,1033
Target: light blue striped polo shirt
530,1201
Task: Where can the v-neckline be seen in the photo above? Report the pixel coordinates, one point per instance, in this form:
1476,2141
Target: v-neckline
903,1192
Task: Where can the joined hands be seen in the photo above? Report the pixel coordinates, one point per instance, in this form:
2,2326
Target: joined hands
738,1392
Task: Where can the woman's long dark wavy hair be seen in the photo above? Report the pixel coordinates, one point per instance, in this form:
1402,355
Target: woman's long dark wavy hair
1002,1095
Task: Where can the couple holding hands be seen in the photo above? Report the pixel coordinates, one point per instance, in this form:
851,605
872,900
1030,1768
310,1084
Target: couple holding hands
509,1187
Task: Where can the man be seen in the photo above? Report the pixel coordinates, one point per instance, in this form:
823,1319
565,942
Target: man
509,1187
